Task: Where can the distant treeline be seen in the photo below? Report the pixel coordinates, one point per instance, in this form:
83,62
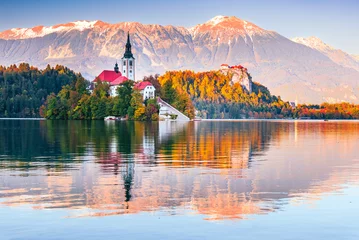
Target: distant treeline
327,111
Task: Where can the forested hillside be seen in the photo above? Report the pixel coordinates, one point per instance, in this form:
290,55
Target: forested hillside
23,88
214,97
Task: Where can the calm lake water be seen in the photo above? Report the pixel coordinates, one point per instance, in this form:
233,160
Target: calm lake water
168,180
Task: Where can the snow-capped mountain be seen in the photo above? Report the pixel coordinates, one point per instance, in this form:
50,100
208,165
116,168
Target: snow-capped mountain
287,68
40,31
336,55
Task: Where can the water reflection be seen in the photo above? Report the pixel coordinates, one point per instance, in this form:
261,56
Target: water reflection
219,169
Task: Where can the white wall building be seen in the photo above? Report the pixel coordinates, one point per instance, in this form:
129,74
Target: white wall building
147,90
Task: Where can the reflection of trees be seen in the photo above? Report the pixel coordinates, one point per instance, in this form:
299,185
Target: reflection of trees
59,143
210,167
117,147
218,144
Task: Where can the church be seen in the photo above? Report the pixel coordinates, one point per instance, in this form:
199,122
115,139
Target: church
128,66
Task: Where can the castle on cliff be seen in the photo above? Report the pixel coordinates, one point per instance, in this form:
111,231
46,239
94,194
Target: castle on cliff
239,75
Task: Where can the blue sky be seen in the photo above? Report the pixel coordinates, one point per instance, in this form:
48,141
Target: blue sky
335,22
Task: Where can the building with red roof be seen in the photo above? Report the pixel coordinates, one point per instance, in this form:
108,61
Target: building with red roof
224,66
115,78
147,89
118,81
108,75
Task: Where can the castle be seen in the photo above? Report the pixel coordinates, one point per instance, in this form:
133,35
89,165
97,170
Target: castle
240,75
115,78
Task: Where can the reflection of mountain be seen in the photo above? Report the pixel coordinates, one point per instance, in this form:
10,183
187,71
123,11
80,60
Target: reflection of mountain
220,169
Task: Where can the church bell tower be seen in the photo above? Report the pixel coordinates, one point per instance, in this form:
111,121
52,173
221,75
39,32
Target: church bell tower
128,61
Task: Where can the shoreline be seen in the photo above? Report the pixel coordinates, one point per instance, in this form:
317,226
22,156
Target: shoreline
23,119
206,120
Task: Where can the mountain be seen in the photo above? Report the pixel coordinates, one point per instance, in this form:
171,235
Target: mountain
356,57
336,55
272,59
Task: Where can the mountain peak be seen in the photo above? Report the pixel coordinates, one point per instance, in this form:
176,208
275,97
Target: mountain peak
313,42
226,20
230,25
217,19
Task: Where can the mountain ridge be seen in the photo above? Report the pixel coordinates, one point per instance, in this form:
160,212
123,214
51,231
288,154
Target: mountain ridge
273,60
336,55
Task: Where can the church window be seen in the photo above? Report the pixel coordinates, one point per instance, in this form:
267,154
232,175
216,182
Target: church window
130,71
130,62
124,63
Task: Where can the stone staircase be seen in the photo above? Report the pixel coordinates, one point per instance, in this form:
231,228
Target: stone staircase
166,109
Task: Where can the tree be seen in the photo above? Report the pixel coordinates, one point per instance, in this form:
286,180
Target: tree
154,81
25,88
152,110
81,85
137,110
101,89
168,93
123,100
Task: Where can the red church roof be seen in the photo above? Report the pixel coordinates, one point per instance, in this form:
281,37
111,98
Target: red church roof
109,76
143,85
224,65
118,80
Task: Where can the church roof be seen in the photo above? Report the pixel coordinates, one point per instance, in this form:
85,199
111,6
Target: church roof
109,75
143,85
118,81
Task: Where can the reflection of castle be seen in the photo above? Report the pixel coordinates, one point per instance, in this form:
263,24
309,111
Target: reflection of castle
240,75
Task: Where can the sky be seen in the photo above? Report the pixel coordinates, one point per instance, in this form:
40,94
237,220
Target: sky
336,22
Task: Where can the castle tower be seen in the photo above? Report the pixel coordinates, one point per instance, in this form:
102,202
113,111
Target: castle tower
128,61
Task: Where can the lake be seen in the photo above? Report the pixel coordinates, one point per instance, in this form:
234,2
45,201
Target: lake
179,180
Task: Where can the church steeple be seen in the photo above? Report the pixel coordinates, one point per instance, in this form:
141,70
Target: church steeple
128,61
116,68
128,52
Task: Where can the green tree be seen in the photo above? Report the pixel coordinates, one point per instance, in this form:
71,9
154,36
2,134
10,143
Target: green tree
123,100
